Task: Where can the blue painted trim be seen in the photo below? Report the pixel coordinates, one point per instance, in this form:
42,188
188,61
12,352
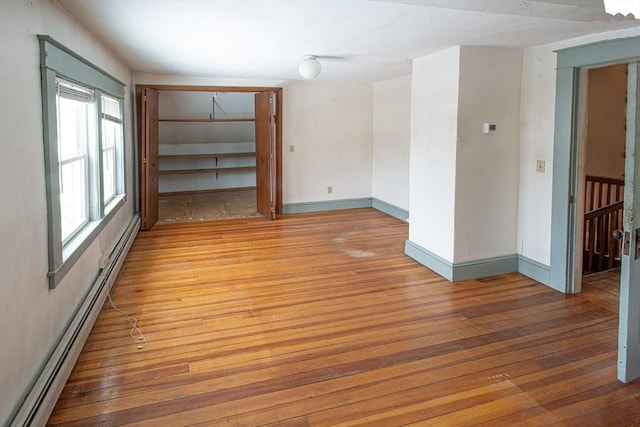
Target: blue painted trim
563,186
71,65
463,270
391,210
563,217
327,205
535,270
485,267
430,260
600,53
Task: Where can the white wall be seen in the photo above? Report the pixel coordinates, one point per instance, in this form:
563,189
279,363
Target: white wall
330,126
434,128
487,164
391,140
537,117
32,317
464,183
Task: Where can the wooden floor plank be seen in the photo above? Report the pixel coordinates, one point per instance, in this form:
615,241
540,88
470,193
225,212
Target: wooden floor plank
320,319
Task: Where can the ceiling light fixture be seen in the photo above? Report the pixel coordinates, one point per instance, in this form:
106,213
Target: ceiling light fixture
309,67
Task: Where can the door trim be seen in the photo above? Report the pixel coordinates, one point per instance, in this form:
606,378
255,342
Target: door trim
279,120
565,150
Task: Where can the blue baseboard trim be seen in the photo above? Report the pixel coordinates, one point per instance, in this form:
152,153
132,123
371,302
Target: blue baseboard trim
485,267
534,269
430,260
327,205
462,270
389,209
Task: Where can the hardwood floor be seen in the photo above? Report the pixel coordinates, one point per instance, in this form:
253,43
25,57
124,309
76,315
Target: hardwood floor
604,286
319,319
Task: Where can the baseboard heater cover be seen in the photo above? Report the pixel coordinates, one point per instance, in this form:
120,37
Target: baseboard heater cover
41,399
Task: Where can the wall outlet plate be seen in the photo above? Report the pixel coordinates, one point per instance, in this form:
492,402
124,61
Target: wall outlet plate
103,261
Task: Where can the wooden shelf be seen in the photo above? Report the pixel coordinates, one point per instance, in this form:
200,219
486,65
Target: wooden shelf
207,170
206,156
239,120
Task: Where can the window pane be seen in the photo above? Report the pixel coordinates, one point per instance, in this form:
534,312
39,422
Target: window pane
73,142
73,195
72,128
111,138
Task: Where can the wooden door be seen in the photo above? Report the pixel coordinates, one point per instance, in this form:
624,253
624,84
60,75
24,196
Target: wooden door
265,123
148,125
629,328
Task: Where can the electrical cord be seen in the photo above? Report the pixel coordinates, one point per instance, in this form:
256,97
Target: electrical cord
135,332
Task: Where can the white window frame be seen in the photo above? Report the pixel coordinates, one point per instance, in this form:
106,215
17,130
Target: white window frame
116,151
58,62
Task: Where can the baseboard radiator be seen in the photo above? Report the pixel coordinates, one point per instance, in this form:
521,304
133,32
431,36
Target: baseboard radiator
38,404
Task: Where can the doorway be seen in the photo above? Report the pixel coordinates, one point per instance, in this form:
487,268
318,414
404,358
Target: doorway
565,246
209,152
602,138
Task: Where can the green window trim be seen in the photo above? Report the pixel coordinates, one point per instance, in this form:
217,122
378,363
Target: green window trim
58,61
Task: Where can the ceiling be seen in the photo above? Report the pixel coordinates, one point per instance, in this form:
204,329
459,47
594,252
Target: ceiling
356,40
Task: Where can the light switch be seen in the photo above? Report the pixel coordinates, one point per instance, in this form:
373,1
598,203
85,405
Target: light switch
540,166
292,148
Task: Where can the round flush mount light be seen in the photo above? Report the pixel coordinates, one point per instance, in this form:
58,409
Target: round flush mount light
309,67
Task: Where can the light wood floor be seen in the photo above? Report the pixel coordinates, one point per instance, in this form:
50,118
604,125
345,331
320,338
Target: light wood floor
319,319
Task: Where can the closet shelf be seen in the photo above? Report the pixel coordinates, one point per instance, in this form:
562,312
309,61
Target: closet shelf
206,156
206,120
207,170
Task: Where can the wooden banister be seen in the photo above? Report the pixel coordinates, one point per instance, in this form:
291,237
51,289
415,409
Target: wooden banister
604,210
601,191
601,250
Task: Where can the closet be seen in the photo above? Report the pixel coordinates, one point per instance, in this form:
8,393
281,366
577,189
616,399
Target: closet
208,153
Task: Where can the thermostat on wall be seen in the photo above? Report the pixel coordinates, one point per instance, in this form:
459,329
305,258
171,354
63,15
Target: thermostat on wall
489,127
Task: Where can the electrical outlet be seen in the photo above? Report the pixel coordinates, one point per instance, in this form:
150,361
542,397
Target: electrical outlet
103,261
540,166
330,189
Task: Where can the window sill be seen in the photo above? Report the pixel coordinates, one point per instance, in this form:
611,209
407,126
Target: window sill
73,250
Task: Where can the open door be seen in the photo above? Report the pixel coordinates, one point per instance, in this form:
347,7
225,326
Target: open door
629,328
265,122
148,125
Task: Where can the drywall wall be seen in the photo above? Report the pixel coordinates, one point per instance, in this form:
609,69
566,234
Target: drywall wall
537,116
487,163
606,121
464,182
329,126
33,317
434,128
391,140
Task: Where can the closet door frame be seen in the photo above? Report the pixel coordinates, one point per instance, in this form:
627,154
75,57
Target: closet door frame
278,138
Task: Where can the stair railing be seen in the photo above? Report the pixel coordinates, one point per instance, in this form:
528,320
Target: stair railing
601,250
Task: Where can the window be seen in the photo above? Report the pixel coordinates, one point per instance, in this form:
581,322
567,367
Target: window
111,145
84,153
72,103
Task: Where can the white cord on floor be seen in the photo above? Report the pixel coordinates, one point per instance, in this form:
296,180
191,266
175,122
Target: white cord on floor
135,332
